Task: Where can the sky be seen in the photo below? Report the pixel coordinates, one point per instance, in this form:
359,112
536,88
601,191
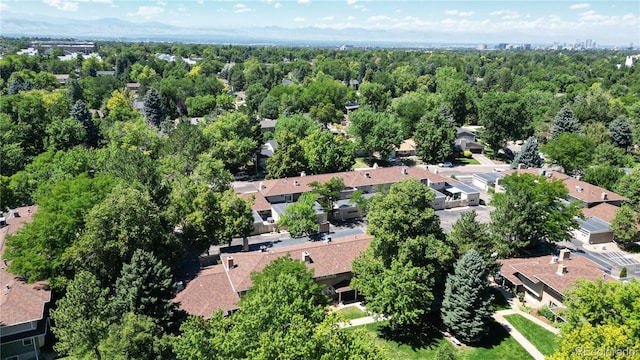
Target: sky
605,22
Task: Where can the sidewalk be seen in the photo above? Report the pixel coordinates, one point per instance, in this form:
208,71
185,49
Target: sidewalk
483,160
360,321
532,350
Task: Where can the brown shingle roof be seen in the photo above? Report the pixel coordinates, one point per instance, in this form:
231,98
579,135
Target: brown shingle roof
259,202
20,301
379,176
541,269
208,292
326,259
605,212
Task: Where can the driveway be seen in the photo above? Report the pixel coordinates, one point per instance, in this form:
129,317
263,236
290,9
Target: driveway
449,216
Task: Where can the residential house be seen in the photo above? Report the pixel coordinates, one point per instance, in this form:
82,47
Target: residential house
466,140
266,152
263,222
221,286
24,307
268,125
105,73
277,210
62,78
602,215
406,149
545,279
133,86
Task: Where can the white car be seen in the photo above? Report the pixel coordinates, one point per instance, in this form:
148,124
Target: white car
446,164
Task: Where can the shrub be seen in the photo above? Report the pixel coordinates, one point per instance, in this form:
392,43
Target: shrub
468,154
547,313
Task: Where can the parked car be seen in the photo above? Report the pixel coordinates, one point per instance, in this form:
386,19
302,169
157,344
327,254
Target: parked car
240,176
446,164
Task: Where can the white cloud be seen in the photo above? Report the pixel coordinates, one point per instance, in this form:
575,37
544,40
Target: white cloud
506,14
200,2
147,12
298,19
580,6
304,1
3,6
241,8
96,1
162,3
351,2
62,5
277,5
267,1
351,18
181,8
378,18
459,13
328,18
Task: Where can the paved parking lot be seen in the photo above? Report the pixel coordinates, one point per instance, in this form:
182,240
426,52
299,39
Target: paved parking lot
450,216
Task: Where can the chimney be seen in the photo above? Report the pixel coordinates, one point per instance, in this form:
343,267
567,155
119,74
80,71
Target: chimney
306,258
303,174
262,185
554,260
604,196
404,171
521,166
230,264
565,254
562,269
579,177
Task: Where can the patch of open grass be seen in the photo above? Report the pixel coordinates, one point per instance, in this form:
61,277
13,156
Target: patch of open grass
351,312
541,338
423,343
360,163
465,161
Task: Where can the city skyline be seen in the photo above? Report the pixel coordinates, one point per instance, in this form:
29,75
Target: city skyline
606,22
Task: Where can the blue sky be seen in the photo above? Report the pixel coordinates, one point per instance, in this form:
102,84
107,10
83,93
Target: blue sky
606,22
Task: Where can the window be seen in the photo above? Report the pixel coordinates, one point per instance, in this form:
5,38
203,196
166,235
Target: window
27,342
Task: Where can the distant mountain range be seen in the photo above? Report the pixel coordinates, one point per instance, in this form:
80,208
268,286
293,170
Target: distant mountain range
115,29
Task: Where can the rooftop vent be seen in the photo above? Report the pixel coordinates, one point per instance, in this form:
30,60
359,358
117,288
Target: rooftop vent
579,188
262,185
565,254
296,183
554,260
541,172
562,269
303,174
404,171
306,258
367,175
230,264
604,196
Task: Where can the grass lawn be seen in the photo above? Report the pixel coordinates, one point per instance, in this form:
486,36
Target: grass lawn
465,161
424,344
543,339
360,163
351,312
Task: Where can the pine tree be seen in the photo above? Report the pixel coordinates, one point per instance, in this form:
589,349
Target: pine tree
621,134
81,114
15,86
74,91
145,287
564,121
465,307
529,155
153,110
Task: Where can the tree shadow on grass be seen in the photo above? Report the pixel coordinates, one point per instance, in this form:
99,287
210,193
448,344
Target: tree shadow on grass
497,334
416,336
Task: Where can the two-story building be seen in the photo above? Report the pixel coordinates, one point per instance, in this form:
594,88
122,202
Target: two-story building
24,307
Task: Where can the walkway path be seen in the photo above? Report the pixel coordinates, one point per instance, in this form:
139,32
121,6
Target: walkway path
532,350
483,160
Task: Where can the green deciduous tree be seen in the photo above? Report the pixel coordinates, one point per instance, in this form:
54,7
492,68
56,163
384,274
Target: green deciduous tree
326,152
605,176
601,316
64,133
467,233
629,186
465,307
375,132
530,212
407,256
81,317
625,225
145,287
571,151
328,193
434,137
564,122
375,96
126,220
300,217
236,216
505,116
289,157
232,139
134,337
529,155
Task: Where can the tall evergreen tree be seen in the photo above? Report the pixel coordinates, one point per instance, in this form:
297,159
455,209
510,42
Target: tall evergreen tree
529,155
621,134
74,91
153,110
81,114
465,307
564,121
145,287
